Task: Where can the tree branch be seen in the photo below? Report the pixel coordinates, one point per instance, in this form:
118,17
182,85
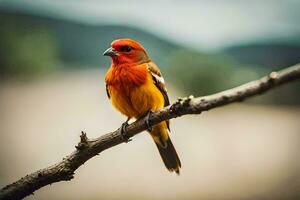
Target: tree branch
88,148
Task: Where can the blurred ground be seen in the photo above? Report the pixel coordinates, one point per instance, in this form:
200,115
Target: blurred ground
236,152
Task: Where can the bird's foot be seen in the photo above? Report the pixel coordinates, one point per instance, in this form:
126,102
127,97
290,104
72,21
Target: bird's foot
149,127
123,131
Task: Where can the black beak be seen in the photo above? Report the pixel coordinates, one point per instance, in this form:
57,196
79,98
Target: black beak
110,52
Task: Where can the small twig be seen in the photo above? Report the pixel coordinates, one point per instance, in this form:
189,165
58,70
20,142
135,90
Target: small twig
88,148
83,142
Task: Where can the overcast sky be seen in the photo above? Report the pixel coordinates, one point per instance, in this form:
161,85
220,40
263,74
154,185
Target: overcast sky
204,24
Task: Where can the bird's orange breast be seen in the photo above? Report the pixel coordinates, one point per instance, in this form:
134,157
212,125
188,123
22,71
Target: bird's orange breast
132,90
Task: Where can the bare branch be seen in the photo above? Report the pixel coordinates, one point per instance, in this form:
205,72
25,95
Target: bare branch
88,148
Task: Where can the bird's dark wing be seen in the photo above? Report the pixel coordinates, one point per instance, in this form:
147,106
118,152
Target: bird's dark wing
160,84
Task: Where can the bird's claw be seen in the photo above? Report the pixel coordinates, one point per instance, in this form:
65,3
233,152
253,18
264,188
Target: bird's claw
123,131
149,127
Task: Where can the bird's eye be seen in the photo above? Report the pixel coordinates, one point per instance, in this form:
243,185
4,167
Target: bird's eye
125,49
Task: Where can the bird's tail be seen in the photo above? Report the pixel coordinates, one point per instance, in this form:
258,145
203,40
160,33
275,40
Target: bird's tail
166,148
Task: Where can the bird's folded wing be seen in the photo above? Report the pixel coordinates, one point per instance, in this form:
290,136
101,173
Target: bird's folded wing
159,83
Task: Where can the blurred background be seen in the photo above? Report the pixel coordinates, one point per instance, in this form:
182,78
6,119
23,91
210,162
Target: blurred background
52,87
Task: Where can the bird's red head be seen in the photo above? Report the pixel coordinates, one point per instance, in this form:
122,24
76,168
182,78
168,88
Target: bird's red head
127,51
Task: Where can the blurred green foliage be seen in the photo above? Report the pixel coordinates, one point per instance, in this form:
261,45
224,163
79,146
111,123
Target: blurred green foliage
26,49
203,74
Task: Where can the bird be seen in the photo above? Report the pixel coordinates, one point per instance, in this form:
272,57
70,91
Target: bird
136,88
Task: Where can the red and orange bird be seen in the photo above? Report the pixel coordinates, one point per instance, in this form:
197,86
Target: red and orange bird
136,87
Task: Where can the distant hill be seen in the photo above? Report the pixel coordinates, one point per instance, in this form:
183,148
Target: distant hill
83,44
271,55
33,44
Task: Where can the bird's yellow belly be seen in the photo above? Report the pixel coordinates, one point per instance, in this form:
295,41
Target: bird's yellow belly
138,100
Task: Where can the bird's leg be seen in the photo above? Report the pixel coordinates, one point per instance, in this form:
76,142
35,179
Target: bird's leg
124,132
149,127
